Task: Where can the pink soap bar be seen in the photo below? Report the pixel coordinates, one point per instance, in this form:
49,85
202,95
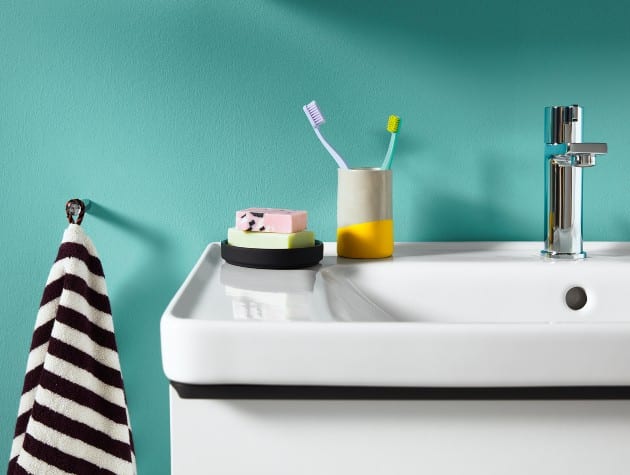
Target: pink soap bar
271,220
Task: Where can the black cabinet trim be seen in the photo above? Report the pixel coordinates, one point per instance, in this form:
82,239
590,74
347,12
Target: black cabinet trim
261,391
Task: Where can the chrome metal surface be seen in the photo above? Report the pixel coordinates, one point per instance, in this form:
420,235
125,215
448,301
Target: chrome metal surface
75,209
563,124
565,156
587,148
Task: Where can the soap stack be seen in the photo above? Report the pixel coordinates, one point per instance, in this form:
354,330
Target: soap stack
271,228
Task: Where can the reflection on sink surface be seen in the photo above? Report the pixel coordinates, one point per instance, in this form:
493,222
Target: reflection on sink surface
434,315
258,294
518,286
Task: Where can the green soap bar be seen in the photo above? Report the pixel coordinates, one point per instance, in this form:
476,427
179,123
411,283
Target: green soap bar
257,240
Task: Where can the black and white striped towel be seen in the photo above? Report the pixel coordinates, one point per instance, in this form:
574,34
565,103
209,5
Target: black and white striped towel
73,414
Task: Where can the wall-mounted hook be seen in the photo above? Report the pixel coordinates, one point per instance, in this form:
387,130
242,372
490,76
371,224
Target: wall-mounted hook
76,207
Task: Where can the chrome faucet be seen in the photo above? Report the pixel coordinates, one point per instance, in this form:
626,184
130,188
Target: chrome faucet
565,156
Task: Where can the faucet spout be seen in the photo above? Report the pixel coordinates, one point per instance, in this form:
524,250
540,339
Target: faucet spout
565,157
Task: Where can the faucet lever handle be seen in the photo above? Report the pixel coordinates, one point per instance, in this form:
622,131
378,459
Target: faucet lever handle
584,154
579,154
580,148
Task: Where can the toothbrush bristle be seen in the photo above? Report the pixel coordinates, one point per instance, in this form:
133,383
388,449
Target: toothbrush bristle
393,123
314,114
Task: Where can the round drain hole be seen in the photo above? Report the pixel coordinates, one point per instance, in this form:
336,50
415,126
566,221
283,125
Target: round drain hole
576,298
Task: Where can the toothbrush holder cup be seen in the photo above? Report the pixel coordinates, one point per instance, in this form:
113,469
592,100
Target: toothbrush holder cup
365,227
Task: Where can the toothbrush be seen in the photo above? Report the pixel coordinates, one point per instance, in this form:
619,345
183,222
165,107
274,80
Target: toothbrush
392,126
316,119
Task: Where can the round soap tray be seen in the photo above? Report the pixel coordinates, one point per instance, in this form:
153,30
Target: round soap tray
296,258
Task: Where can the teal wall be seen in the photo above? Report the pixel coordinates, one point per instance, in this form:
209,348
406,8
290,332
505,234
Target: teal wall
170,115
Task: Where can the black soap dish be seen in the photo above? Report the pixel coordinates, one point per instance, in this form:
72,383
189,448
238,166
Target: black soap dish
296,258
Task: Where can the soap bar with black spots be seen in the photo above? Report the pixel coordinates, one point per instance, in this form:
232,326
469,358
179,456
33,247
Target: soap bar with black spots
271,220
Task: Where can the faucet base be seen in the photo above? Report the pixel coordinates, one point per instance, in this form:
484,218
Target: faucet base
562,255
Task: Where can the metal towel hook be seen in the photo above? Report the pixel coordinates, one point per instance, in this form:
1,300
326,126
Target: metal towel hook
76,207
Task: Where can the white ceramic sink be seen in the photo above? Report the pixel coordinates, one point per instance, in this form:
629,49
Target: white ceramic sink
434,315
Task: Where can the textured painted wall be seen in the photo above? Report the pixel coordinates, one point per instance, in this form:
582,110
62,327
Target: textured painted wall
170,115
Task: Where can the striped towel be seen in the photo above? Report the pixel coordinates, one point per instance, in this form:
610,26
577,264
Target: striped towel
73,414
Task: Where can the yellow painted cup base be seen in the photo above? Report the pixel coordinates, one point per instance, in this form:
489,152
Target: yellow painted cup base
371,240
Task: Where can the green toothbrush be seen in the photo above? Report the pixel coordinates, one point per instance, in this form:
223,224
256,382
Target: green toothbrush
393,124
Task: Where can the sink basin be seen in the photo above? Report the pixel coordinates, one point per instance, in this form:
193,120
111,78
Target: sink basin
486,284
436,315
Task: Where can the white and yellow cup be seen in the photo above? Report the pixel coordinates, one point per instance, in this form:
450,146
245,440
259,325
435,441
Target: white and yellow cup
365,227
